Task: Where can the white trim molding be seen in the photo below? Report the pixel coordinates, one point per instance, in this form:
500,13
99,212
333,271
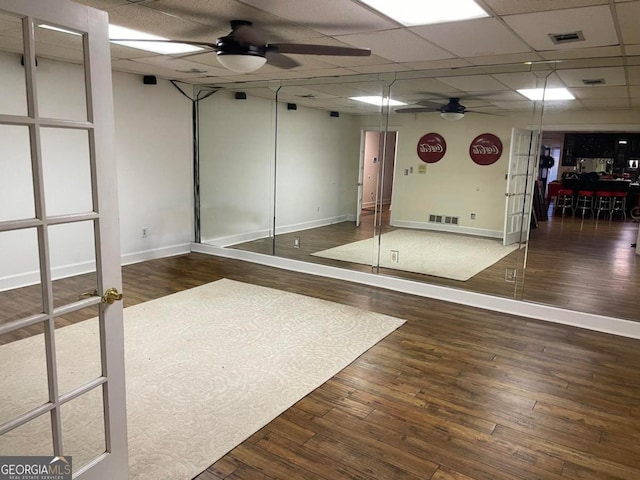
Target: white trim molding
589,321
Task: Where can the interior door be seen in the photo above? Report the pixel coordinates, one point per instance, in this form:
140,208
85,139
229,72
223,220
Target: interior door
61,326
523,157
360,190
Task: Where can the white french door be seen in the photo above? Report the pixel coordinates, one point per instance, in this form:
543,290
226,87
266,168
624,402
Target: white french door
523,161
61,376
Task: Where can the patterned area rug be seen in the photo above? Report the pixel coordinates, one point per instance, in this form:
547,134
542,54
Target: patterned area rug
447,255
206,368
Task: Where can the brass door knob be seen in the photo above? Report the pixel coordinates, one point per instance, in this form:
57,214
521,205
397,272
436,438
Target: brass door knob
111,295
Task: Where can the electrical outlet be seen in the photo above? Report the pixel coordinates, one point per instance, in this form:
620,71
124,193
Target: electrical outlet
473,216
296,242
510,275
145,232
395,256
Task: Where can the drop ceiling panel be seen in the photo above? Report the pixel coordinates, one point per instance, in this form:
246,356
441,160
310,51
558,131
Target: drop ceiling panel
634,75
330,17
597,52
9,23
600,92
596,24
396,45
511,7
606,103
473,38
474,83
612,76
521,80
628,17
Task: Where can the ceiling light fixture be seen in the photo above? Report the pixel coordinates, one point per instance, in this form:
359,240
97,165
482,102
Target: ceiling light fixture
422,12
58,29
378,101
167,48
451,116
241,63
546,94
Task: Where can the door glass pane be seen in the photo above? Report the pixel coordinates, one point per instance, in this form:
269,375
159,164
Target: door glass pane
60,74
67,171
83,434
20,292
33,438
73,261
13,100
23,376
78,348
16,185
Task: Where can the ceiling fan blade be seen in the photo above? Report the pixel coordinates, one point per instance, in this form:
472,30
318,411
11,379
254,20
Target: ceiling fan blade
281,61
415,110
483,113
308,49
209,45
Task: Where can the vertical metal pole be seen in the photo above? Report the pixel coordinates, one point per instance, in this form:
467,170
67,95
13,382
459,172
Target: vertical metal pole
196,168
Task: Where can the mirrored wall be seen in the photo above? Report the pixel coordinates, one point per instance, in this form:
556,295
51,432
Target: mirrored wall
306,170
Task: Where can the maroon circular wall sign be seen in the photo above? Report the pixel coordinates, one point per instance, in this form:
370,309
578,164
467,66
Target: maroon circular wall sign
485,149
431,147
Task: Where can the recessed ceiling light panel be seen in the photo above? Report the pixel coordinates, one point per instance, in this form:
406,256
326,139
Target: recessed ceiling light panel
546,94
427,12
378,101
119,34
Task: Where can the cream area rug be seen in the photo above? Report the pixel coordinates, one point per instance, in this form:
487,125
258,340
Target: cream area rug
447,255
205,369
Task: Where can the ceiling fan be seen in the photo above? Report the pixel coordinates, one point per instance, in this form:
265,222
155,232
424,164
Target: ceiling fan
245,49
453,110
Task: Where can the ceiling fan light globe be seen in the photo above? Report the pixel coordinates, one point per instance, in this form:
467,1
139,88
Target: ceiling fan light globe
241,63
451,116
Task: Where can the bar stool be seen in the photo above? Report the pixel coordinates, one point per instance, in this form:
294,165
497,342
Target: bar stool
619,204
603,202
585,201
564,200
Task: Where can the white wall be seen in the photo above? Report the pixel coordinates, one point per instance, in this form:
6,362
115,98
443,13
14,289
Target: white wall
153,155
315,168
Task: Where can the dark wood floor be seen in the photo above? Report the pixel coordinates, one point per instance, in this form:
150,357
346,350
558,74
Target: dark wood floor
456,393
579,264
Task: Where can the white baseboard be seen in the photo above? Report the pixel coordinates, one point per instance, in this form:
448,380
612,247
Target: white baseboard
281,230
589,321
446,227
33,278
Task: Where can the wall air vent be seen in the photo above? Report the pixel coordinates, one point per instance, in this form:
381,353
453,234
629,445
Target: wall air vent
593,81
562,38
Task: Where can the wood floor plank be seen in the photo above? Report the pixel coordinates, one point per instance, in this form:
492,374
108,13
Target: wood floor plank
456,393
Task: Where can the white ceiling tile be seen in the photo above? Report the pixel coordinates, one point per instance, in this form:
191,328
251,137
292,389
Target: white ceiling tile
472,38
396,45
474,83
628,16
511,7
595,23
612,76
331,17
606,103
596,52
634,92
634,75
600,92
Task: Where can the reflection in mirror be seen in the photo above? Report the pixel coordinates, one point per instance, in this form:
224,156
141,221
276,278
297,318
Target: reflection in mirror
237,148
465,194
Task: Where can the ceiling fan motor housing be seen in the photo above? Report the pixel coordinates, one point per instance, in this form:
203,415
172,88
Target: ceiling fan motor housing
230,46
453,106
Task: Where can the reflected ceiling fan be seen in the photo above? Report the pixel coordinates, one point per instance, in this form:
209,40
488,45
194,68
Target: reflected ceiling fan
245,49
453,110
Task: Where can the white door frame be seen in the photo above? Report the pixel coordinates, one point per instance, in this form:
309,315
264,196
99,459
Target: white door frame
93,25
523,163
